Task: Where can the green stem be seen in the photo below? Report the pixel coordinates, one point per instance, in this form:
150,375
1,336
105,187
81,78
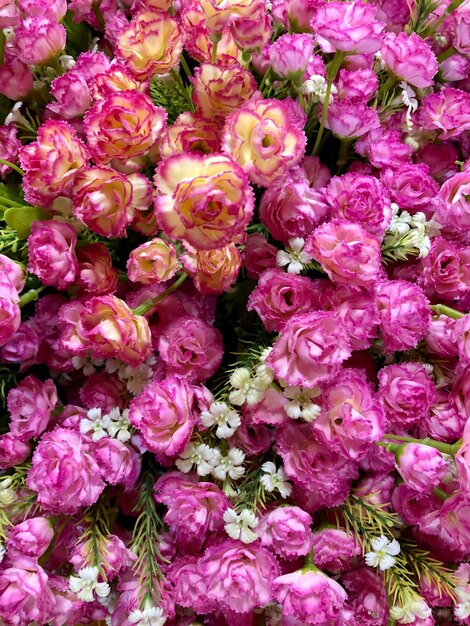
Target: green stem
446,448
388,84
215,38
30,296
309,558
343,152
441,309
441,494
266,75
13,166
332,70
149,304
3,41
431,28
185,66
446,54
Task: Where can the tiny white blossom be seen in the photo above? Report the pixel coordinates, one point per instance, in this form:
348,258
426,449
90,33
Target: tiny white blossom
383,552
462,608
230,465
408,97
86,364
149,616
245,388
95,424
15,116
118,424
136,377
112,366
273,479
264,376
2,552
202,456
294,256
316,87
379,59
226,419
7,494
240,526
300,403
67,61
86,584
414,608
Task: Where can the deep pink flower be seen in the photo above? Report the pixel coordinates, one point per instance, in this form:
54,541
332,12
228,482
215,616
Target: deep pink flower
310,349
421,467
367,595
63,473
359,312
444,421
117,556
359,84
16,79
349,27
409,58
350,118
259,255
10,312
13,451
51,251
447,111
347,253
296,15
290,56
411,186
446,269
286,531
30,406
384,148
164,414
189,585
119,464
334,549
54,10
72,96
453,205
30,538
9,147
96,274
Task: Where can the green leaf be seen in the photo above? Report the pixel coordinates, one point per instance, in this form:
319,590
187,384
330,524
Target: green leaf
21,218
170,94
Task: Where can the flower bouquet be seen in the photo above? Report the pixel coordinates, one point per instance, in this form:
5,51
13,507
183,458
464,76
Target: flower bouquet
234,328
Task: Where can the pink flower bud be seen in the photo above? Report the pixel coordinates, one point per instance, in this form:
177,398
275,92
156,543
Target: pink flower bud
16,80
13,451
30,538
39,40
409,58
421,467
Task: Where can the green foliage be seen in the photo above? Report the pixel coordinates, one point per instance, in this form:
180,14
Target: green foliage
399,247
97,520
171,94
7,381
251,494
79,36
14,507
419,14
21,219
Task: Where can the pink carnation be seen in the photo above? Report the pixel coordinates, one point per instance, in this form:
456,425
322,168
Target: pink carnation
359,312
30,538
349,27
360,199
290,56
191,349
334,549
189,585
30,406
117,558
9,147
310,596
296,15
195,509
367,595
10,312
52,9
347,253
411,186
278,296
39,40
16,79
453,205
238,576
9,14
383,148
447,112
444,422
72,96
164,414
446,269
350,118
351,419
259,255
291,208
286,531
13,451
51,250
63,473
361,84
104,391
421,467
310,349
409,58
96,274
406,392
404,312
119,464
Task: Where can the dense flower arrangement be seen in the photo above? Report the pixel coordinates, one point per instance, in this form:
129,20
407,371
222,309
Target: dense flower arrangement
234,328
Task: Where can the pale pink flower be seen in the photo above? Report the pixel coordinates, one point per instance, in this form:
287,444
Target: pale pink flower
421,467
16,79
30,538
30,406
409,58
152,262
39,40
286,531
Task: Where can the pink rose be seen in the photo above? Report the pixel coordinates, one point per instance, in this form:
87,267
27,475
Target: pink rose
290,208
30,538
63,473
51,251
406,392
25,596
286,531
195,509
360,199
279,296
349,27
347,253
105,327
310,349
409,58
39,40
421,467
334,549
238,576
310,596
351,419
30,406
404,312
191,349
164,414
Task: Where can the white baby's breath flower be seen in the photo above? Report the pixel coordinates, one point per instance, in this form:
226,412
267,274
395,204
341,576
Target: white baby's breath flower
148,616
67,61
94,424
240,526
86,364
316,86
7,494
300,403
226,419
230,465
201,456
462,608
118,424
86,584
136,377
383,553
414,608
294,256
264,376
273,479
245,388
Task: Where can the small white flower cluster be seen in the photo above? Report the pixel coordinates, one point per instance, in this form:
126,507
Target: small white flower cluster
114,424
316,86
462,608
301,405
275,479
86,585
383,553
148,616
241,525
7,494
211,461
249,386
294,258
415,227
408,97
415,608
223,416
136,378
88,365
